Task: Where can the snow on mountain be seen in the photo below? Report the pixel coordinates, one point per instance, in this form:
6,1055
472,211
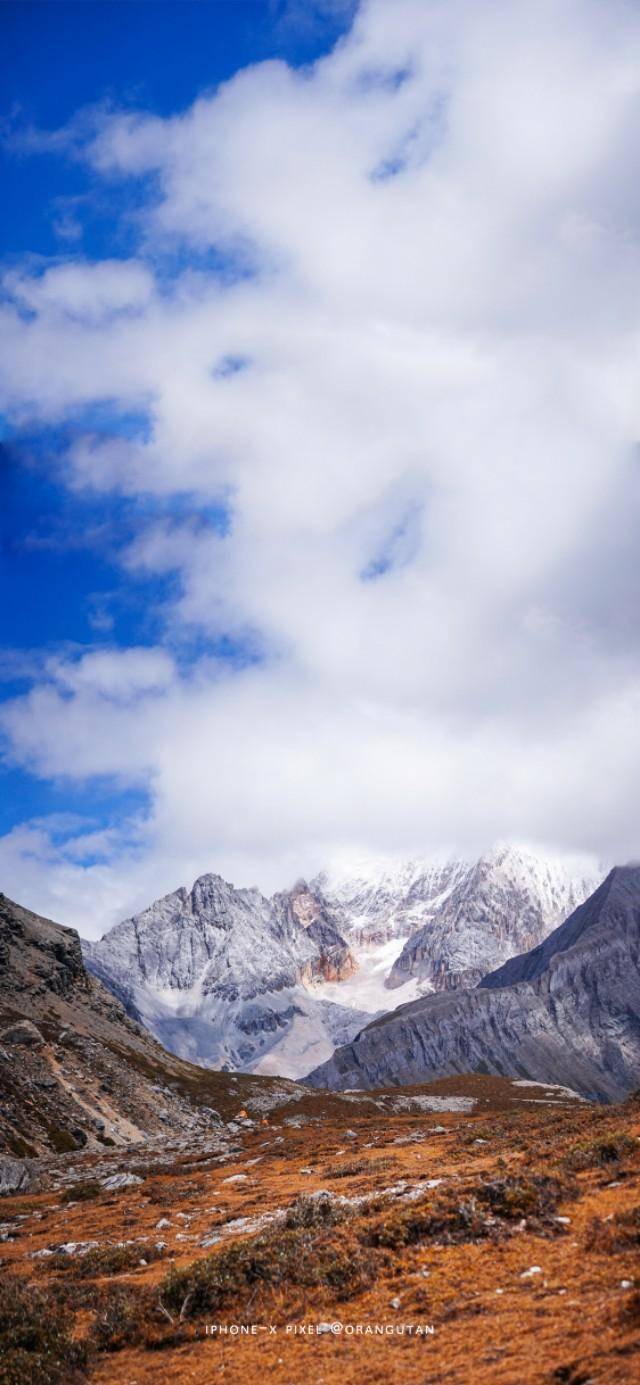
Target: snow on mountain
377,899
505,903
220,975
230,979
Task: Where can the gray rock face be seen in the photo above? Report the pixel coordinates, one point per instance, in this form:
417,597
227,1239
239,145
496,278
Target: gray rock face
15,1176
22,1033
218,974
566,1012
503,904
234,944
303,908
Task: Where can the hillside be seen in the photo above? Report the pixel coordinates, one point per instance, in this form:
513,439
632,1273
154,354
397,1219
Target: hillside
470,1230
76,1072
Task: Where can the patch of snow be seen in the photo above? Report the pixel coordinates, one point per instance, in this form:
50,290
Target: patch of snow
547,1087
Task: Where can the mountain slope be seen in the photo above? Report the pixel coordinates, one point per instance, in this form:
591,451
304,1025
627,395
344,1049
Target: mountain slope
375,900
566,1012
76,1072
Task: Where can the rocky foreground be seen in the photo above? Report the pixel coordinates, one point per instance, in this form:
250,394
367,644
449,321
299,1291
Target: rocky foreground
473,1230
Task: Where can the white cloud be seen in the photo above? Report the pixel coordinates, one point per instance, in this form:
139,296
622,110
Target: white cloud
88,292
426,443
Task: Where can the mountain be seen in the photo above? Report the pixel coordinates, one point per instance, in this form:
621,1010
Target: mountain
375,901
229,979
503,904
567,1011
76,1072
222,976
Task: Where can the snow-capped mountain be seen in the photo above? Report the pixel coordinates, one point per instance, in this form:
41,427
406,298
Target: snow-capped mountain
221,975
504,904
231,979
377,900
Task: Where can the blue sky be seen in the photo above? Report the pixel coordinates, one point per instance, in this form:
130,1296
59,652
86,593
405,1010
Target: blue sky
318,412
63,587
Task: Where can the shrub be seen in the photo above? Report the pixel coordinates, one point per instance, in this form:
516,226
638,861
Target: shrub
62,1140
105,1260
322,1210
282,1258
621,1233
355,1166
533,1197
35,1345
82,1192
346,1170
444,1222
476,1213
598,1154
119,1319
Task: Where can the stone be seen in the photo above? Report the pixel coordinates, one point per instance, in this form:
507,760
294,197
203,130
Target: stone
15,1175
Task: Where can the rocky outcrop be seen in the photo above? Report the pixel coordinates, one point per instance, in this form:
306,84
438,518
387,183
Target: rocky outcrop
15,1176
305,909
567,1012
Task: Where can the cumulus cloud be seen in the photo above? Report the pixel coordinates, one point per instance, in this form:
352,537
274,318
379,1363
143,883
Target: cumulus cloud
401,354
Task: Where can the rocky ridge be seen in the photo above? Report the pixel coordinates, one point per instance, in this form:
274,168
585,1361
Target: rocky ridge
222,975
503,904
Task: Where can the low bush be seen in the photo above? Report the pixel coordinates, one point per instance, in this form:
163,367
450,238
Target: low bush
321,1210
532,1197
478,1212
281,1258
82,1192
107,1260
35,1345
620,1233
120,1318
597,1154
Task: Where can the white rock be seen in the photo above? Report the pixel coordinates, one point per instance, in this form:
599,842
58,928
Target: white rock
121,1180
